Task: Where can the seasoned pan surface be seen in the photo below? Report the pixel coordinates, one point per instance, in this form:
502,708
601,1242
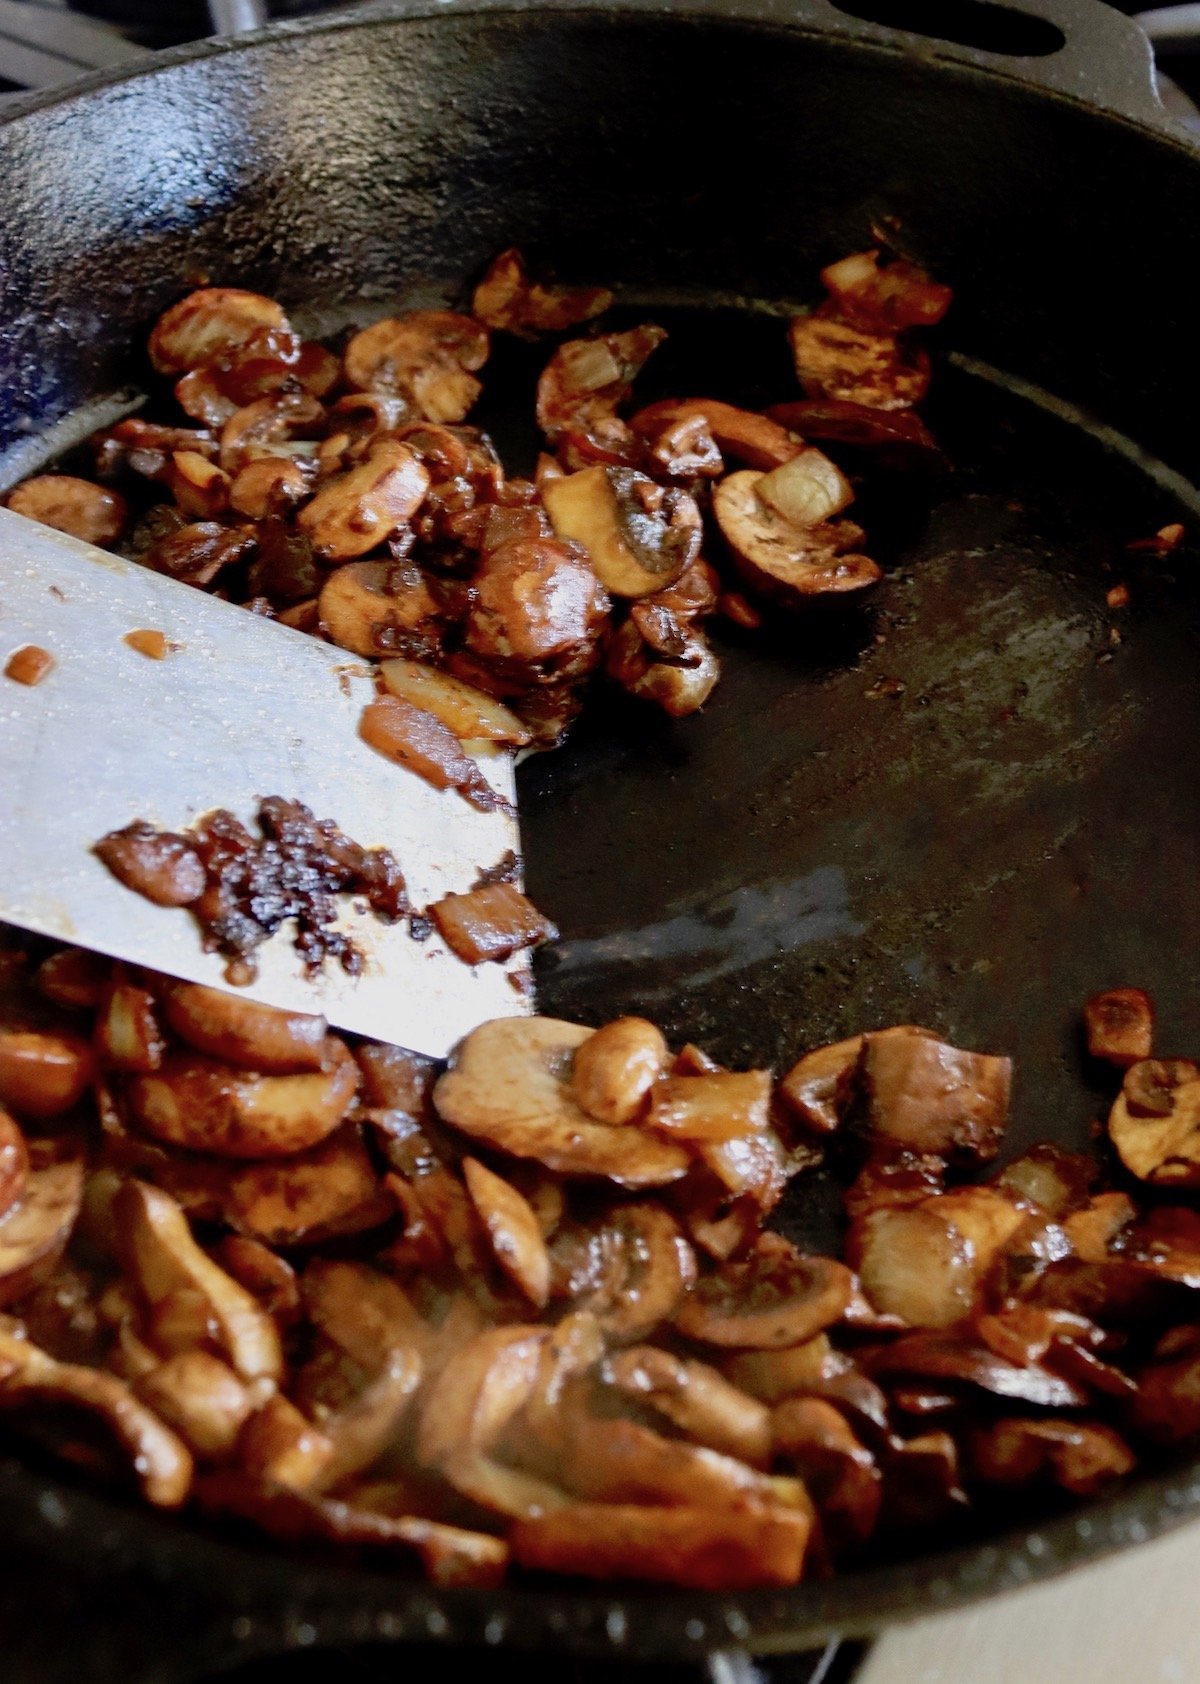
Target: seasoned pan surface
966,805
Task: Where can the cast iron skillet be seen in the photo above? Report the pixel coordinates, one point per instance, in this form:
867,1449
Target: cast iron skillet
980,850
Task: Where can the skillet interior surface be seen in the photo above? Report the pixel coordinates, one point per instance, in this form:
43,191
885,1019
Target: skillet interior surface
979,849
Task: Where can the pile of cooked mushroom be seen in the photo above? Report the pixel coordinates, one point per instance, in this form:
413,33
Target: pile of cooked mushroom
526,1310
342,493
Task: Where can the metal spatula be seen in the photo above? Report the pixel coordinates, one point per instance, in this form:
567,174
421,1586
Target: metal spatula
242,708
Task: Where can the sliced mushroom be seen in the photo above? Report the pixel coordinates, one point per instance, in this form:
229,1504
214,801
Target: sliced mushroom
93,513
646,1267
269,486
835,359
885,1181
888,296
693,1547
426,356
195,1102
269,1277
198,552
365,1429
73,977
33,1381
774,1375
697,1400
163,1258
208,322
332,1189
373,607
239,1031
622,1462
14,1162
200,488
128,1034
615,1069
713,1109
478,1392
510,1493
776,1298
280,1446
448,1555
363,1311
813,1437
788,563
462,708
586,380
1120,1025
639,537
926,1096
1155,1123
43,1075
421,744
818,1089
507,299
359,510
897,438
200,1398
510,1086
513,1230
928,1262
679,683
282,424
751,439
538,611
942,1356
1083,1457
34,1230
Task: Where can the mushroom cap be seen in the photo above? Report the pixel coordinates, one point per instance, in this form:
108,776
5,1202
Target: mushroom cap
789,563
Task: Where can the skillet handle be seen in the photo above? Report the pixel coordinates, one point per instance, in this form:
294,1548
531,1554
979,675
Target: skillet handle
1081,48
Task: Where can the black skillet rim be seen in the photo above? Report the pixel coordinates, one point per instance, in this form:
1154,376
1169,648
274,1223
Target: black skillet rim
270,1600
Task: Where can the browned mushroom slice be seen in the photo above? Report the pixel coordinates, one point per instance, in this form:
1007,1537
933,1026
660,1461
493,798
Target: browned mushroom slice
128,1034
208,1107
696,1399
449,1555
462,708
818,1089
93,513
616,1068
163,1258
909,1178
639,536
927,1262
280,1446
776,1298
43,1074
510,1087
208,322
200,1398
508,300
647,1267
372,607
693,1547
427,356
1166,1410
363,1311
943,1356
34,1382
682,447
490,923
711,1108
158,864
513,1230
793,1371
14,1162
1093,1228
1120,1025
270,1278
586,380
282,424
197,552
926,1096
421,744
478,1392
73,977
896,437
332,1189
34,1231
1155,1123
786,562
921,1481
621,1462
1083,1457
199,487
396,1079
254,1037
888,296
538,611
680,682
358,510
813,1438
754,440
370,1424
269,486
835,359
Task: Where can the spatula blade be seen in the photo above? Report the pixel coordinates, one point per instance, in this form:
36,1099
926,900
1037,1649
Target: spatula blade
241,709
